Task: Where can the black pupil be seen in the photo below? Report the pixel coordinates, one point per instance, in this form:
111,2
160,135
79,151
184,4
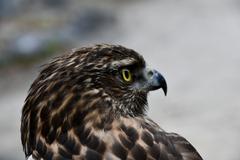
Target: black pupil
126,73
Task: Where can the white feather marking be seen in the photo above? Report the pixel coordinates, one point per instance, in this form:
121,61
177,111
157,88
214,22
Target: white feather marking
123,62
69,64
30,158
88,80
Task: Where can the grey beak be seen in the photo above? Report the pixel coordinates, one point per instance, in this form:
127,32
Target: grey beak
155,81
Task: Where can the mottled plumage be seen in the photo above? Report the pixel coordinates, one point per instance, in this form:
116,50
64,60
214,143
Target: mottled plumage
90,105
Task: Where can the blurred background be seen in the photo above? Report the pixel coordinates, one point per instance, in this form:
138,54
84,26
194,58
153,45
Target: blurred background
195,44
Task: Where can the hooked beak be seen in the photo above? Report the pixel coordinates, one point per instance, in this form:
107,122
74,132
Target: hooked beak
155,80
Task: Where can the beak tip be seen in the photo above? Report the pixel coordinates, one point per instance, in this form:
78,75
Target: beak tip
164,88
165,91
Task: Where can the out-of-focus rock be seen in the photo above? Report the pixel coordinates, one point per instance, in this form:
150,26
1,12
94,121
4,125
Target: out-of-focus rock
55,3
28,44
30,47
9,7
92,20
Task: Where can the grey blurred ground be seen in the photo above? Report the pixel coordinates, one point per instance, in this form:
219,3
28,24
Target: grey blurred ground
194,43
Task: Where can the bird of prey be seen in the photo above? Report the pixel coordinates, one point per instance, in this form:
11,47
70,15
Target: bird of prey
90,104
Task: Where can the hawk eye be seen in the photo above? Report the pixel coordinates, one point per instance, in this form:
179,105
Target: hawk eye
126,75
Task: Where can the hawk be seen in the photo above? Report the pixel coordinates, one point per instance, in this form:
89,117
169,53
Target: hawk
91,104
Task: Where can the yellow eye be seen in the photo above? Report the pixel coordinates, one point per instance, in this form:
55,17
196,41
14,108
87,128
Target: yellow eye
126,74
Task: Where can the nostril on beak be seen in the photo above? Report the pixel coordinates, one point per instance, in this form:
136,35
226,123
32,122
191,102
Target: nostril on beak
150,73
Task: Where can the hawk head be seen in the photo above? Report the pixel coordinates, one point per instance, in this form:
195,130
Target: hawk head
105,80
